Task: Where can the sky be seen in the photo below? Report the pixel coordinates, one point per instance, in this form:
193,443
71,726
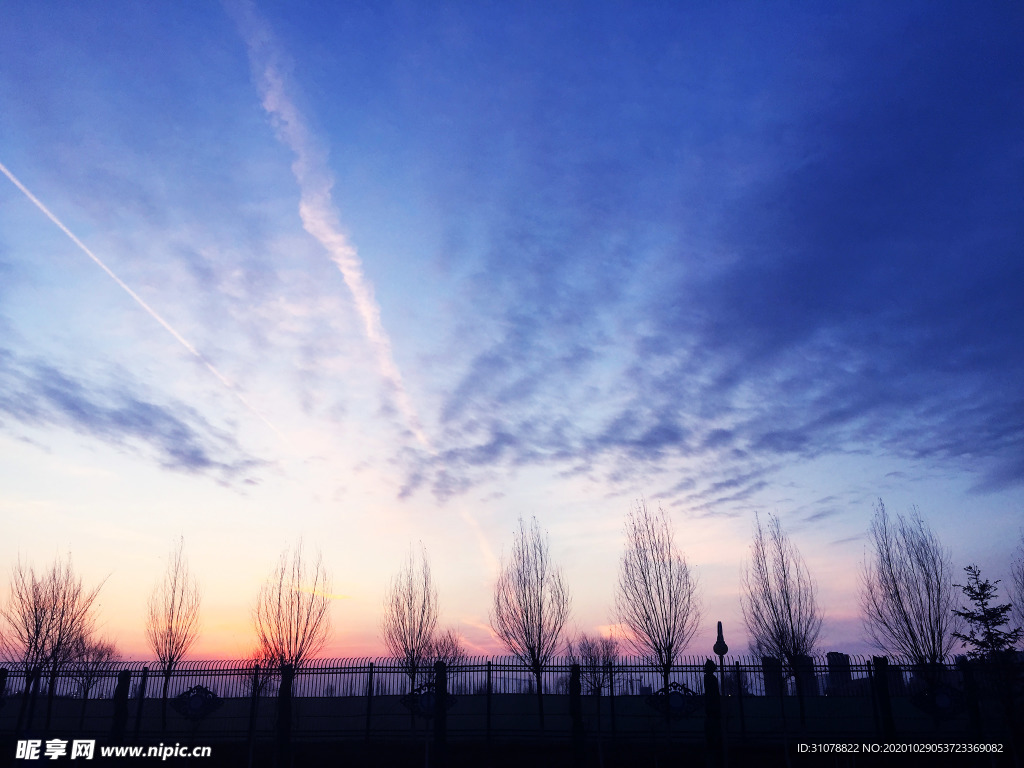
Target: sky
367,275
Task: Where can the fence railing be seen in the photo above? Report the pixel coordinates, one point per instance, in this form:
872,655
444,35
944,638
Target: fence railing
835,675
368,699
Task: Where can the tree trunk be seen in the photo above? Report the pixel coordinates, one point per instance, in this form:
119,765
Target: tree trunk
49,698
163,699
666,672
538,674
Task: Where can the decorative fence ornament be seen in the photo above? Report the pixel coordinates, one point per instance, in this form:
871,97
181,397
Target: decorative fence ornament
720,648
674,700
423,699
196,703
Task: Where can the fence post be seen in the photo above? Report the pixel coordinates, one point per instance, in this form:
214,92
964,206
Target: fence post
611,694
1010,674
838,673
85,688
576,711
971,692
254,700
774,685
440,713
3,686
164,693
489,689
50,692
25,694
874,697
121,693
538,675
713,740
369,699
142,698
807,680
803,671
881,688
284,714
771,668
37,678
739,699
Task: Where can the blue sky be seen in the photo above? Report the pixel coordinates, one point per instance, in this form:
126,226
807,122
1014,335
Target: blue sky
401,272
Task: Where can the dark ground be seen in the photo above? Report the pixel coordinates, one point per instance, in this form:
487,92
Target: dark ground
522,754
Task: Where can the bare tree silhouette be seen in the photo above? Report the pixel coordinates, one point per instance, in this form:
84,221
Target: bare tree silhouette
593,654
291,615
779,597
1017,583
410,615
447,647
657,601
907,593
262,668
49,618
172,622
94,659
531,603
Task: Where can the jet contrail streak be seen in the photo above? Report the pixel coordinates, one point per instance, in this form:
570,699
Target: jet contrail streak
320,218
138,299
484,545
316,208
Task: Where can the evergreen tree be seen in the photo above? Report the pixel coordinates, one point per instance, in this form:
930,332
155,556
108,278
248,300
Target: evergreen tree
986,639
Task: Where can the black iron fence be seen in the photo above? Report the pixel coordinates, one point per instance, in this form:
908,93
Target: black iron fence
364,698
384,676
834,675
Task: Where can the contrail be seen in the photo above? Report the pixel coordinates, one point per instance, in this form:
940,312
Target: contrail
481,539
138,300
316,208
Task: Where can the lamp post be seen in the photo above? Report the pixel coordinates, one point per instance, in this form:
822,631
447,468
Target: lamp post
720,650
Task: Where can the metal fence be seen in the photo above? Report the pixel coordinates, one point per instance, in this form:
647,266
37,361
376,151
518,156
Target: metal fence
836,675
367,699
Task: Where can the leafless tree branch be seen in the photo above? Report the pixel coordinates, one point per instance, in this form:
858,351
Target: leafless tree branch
172,623
263,667
593,654
1017,584
907,594
531,601
779,597
93,659
448,647
48,617
291,615
658,601
172,620
410,615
